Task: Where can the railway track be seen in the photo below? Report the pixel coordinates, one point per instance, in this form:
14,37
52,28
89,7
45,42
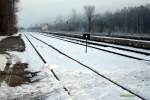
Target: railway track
91,69
99,44
129,56
44,61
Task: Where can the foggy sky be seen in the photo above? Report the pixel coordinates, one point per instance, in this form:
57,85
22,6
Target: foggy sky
37,11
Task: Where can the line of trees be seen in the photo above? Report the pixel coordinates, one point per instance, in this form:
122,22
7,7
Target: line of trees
126,20
8,17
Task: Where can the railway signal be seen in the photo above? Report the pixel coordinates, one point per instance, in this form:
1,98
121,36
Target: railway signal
86,37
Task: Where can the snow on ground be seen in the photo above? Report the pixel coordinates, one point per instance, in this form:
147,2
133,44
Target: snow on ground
120,46
3,57
42,89
16,34
124,70
82,83
2,37
29,56
88,86
3,61
120,51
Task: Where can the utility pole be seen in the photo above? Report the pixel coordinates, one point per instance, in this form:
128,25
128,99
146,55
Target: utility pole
86,37
89,12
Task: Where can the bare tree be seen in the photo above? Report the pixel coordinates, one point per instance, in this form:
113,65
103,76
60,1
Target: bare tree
73,21
89,11
126,20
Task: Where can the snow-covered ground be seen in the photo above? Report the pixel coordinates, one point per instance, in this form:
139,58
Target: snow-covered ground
133,74
116,50
114,45
82,83
3,61
3,57
42,89
2,37
47,87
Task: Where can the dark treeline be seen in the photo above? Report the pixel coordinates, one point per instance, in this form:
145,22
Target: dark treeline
8,17
127,20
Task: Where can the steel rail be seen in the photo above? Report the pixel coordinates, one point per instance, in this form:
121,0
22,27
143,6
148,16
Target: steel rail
100,49
104,45
93,70
44,61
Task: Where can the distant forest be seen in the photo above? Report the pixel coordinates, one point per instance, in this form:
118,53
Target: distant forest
126,20
7,17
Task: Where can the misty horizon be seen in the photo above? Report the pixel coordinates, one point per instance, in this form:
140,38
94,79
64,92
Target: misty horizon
32,12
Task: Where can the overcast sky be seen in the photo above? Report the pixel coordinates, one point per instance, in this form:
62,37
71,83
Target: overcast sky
37,11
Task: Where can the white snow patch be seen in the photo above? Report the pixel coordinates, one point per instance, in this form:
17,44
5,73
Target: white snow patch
17,34
54,66
47,87
2,37
3,61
